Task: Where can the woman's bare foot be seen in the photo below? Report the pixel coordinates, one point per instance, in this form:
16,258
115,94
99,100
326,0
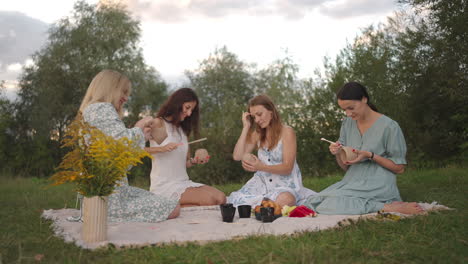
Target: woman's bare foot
404,208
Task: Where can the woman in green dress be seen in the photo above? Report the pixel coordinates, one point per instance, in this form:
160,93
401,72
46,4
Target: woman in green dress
369,184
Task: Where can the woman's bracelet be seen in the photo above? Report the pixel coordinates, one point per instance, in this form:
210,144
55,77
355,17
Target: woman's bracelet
372,156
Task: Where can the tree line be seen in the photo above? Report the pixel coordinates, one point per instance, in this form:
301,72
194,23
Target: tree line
415,66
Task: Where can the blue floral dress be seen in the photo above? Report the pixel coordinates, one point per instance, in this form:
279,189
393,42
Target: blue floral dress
268,185
366,186
127,203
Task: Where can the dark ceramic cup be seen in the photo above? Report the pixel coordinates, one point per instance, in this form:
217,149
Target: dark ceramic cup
244,210
227,212
267,214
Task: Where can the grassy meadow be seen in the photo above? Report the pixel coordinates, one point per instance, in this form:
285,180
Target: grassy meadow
440,237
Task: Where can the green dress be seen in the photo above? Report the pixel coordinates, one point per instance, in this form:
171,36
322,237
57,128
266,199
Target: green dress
366,186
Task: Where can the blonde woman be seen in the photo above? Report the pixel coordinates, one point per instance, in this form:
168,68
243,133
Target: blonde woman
277,175
102,107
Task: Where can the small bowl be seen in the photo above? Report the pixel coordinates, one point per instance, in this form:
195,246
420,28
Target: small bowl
347,154
258,216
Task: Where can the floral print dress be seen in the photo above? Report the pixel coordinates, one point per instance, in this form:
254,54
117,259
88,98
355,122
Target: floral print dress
127,203
268,185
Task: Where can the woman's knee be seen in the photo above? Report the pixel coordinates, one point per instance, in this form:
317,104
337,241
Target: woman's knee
217,197
220,198
286,198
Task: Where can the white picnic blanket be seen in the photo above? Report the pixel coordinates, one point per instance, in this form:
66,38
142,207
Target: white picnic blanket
195,224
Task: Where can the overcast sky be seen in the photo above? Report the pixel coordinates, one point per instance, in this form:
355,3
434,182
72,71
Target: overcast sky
178,34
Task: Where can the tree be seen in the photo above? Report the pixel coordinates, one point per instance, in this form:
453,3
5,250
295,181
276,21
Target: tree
416,75
224,86
280,82
6,135
93,38
439,45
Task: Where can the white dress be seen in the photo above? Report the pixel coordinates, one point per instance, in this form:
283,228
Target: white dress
268,185
169,176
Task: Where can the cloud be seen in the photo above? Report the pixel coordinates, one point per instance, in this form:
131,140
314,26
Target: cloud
10,90
354,8
170,11
20,37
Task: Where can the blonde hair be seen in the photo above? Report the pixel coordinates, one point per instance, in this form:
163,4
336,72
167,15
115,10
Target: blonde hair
275,125
106,87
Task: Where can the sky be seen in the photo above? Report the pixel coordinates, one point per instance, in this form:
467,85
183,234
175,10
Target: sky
178,34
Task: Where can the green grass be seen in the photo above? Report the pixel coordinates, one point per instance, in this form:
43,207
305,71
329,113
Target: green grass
440,237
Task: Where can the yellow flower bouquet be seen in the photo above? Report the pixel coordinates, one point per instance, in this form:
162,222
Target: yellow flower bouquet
96,162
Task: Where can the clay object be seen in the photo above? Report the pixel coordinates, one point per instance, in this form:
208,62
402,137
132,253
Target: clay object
347,154
227,212
267,214
244,211
201,156
249,157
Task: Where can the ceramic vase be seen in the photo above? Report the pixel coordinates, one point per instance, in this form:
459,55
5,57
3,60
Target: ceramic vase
94,227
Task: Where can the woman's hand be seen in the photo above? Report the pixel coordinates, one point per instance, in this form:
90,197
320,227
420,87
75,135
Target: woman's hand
144,122
361,155
197,160
246,119
169,147
335,148
145,125
147,133
253,166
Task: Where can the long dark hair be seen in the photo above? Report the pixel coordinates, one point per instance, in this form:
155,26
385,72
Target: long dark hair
354,91
172,107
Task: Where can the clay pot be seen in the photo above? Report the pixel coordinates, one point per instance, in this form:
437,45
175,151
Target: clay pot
94,228
249,157
227,212
201,155
347,154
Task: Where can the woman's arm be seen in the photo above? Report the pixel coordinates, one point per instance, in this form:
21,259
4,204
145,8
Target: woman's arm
289,156
168,147
159,134
388,164
104,117
384,162
395,150
335,149
242,146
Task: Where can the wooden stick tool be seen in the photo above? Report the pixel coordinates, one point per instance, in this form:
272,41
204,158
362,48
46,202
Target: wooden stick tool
323,139
198,140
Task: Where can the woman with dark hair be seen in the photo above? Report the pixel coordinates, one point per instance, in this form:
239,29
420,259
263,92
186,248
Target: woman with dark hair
174,123
369,184
277,175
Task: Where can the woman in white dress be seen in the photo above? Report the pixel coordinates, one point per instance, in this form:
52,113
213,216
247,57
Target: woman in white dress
277,175
175,121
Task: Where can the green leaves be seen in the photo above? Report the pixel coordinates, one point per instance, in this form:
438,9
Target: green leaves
92,38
